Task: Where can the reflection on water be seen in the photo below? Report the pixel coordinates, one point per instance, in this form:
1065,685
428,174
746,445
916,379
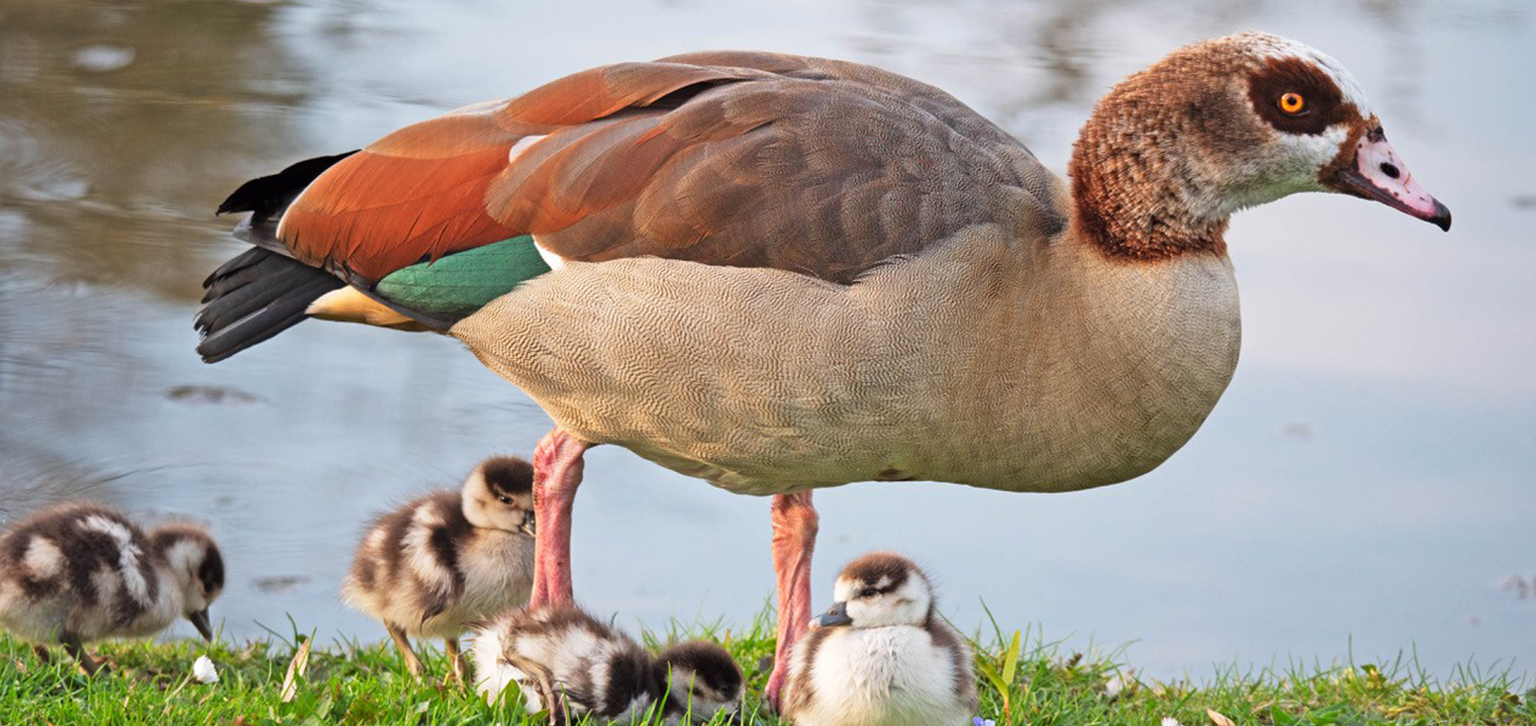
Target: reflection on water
1365,483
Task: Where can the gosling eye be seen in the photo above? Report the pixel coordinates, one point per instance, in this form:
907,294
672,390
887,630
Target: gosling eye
868,592
504,499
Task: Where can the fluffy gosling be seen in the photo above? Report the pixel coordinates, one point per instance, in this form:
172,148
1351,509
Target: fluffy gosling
566,661
881,656
700,679
78,572
433,566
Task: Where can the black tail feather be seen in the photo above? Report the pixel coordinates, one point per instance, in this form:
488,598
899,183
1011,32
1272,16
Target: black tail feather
266,197
261,292
254,297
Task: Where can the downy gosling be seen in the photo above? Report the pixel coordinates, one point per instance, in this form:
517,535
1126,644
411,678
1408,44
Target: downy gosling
566,661
78,572
447,559
881,656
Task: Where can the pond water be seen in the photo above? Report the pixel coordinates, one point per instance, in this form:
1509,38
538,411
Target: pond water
1365,488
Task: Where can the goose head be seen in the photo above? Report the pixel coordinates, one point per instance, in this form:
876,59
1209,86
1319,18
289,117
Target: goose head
499,495
879,590
196,567
1222,125
701,680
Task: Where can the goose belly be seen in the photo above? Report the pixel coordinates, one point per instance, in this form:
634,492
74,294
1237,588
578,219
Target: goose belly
1036,369
890,676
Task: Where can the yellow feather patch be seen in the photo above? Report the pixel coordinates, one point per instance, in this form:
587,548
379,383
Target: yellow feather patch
348,305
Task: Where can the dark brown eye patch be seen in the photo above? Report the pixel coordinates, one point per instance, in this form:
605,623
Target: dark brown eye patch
1275,89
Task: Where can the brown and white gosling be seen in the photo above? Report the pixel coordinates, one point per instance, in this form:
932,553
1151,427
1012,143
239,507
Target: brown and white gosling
79,572
881,656
445,560
566,661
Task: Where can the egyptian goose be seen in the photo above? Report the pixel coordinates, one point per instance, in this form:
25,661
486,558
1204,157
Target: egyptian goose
436,564
881,656
781,273
568,662
78,572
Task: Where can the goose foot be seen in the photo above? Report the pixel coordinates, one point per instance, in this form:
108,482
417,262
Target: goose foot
412,663
557,467
458,670
83,661
794,540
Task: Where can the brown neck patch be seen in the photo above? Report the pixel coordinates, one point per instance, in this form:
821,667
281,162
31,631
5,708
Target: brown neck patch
1127,203
1126,226
1132,169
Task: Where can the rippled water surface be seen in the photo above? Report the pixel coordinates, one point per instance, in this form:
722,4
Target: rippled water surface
1365,487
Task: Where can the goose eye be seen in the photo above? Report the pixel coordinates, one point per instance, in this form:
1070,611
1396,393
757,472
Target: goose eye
1292,103
868,592
504,499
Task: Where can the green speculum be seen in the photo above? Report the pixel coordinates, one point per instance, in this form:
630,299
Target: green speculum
456,285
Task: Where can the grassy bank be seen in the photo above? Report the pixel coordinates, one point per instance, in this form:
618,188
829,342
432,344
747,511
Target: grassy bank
1041,685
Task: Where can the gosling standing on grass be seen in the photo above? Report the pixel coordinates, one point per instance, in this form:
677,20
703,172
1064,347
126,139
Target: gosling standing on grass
881,656
566,661
79,572
435,565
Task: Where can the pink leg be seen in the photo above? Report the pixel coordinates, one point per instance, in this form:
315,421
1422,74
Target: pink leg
794,539
557,466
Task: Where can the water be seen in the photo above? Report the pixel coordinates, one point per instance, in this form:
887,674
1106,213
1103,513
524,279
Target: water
1364,488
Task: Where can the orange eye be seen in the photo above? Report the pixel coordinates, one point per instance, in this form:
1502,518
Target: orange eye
1292,103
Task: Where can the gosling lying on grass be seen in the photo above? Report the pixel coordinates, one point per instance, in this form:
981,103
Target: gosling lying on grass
881,656
445,560
567,662
79,572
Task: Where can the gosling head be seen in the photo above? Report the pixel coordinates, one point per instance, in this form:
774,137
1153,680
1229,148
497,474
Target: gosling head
499,495
701,679
196,567
879,590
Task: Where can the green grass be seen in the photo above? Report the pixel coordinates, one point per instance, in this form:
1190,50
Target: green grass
1041,685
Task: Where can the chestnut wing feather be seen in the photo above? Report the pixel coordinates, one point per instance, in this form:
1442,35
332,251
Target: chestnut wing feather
749,159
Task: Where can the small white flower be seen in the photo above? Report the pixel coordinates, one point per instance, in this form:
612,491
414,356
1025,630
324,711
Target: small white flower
1171,721
1123,680
204,671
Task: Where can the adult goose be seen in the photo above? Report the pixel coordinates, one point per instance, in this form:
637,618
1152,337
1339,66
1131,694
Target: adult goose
780,273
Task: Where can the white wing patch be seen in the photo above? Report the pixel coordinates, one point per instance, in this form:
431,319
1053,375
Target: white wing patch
418,547
554,261
521,146
43,558
128,555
